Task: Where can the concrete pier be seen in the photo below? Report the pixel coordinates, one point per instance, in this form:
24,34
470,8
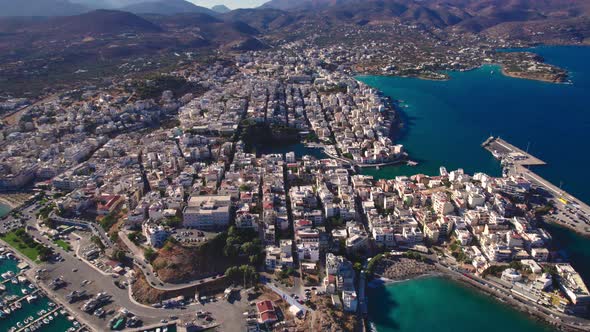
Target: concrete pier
570,211
506,151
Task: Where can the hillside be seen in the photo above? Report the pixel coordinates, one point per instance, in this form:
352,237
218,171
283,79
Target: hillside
166,7
98,22
466,15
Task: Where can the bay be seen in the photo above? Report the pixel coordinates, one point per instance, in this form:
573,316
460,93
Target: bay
445,123
442,305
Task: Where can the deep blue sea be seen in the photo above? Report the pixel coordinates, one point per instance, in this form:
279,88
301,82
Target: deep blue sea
445,123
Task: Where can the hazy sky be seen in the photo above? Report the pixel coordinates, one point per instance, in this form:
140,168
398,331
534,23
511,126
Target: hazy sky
230,3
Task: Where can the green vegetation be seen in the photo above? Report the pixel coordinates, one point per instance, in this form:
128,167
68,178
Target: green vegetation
108,221
63,244
136,237
96,240
414,255
284,273
118,255
372,262
495,270
150,254
243,242
45,211
312,137
26,245
174,222
242,274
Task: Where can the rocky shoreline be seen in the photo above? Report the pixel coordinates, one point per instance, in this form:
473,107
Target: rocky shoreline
399,269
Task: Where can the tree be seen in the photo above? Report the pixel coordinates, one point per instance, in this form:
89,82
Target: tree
44,253
150,254
118,255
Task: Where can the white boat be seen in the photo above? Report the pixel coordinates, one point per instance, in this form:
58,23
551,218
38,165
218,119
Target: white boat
24,291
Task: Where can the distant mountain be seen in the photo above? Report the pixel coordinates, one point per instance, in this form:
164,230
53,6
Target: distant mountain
302,4
96,22
166,7
40,8
466,15
221,9
263,18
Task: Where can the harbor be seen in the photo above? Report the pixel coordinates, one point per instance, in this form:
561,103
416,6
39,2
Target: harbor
23,306
567,210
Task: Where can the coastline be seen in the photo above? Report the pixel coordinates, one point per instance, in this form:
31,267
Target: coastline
529,310
522,75
11,205
513,300
557,79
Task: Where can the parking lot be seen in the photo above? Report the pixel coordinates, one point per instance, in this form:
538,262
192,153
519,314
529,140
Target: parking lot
191,236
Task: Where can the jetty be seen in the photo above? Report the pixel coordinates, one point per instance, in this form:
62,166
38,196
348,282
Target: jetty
505,151
38,319
570,211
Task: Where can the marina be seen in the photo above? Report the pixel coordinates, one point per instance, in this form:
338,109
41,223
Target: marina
24,307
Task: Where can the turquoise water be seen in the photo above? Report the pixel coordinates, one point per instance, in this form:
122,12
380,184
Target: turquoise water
4,210
437,304
445,123
58,324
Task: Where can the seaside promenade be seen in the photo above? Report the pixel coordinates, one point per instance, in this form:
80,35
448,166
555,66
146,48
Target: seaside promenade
570,211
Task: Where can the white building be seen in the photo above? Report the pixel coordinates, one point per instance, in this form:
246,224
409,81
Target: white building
207,212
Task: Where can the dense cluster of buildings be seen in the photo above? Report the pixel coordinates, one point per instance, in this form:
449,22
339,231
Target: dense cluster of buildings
107,153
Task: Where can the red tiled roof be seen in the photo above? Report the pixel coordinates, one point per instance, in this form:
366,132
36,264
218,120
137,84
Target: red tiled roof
268,317
264,306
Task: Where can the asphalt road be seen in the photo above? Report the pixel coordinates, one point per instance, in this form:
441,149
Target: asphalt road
148,271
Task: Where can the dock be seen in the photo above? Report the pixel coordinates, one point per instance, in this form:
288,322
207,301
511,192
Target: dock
38,319
22,298
506,151
571,212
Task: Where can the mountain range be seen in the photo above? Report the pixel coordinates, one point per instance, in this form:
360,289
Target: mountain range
73,7
468,15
